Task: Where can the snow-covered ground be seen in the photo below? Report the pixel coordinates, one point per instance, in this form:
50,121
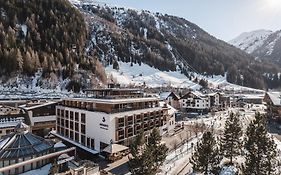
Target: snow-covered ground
151,77
144,74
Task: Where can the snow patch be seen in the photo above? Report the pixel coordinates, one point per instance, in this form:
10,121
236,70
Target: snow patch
152,77
228,170
24,29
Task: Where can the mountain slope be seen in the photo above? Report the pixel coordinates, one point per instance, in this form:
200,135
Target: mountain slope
262,44
168,43
250,41
46,35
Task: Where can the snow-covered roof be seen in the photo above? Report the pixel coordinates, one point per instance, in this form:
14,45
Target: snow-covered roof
275,98
195,93
164,95
59,145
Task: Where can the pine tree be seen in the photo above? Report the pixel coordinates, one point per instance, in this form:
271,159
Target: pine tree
260,149
157,150
231,144
206,158
136,160
146,158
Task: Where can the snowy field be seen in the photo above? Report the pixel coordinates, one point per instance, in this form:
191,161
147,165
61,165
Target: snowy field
151,77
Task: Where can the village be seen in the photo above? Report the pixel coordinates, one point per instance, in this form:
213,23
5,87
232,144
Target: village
98,127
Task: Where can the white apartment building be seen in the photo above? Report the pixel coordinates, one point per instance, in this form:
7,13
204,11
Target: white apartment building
93,124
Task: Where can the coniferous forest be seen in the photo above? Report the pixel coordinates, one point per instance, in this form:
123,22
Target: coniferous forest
42,34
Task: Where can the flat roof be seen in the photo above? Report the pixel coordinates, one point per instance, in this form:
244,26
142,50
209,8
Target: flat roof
37,105
114,101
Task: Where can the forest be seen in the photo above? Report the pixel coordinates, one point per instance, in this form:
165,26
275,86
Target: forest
42,34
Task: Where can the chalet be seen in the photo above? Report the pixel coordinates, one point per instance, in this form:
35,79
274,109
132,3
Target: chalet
219,100
170,98
273,101
195,101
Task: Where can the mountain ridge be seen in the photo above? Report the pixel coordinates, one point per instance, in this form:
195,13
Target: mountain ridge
264,45
168,43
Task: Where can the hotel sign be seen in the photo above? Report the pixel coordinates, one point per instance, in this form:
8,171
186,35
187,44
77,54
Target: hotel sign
102,125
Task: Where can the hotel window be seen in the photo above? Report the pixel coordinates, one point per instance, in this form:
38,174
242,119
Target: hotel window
62,122
62,131
83,129
66,133
88,142
58,112
120,122
130,132
58,121
83,118
66,123
83,141
130,120
76,136
76,116
77,127
145,117
62,113
93,143
58,130
71,125
121,134
71,135
66,114
71,115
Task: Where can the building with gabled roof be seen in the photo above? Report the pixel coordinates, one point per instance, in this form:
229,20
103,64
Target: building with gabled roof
170,98
195,101
273,101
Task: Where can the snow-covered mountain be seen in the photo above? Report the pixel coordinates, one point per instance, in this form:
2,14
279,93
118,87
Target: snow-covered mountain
250,41
166,43
262,44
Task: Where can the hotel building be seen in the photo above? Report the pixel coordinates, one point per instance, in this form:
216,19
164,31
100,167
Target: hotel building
95,123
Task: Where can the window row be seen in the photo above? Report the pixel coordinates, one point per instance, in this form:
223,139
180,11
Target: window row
71,115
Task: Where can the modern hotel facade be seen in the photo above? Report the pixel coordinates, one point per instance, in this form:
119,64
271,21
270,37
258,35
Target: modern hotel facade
96,123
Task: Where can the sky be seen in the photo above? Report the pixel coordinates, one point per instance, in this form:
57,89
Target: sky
224,19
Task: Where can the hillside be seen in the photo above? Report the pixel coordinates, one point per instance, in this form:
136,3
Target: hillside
46,35
262,44
250,41
168,43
